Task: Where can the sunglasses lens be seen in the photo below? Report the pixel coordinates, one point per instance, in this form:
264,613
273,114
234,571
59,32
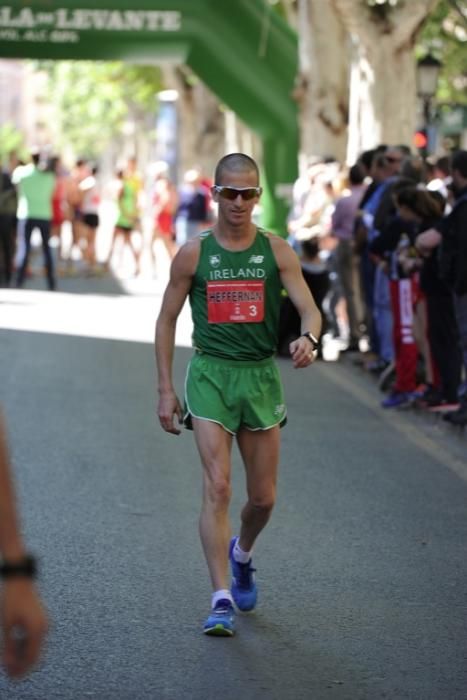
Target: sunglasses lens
232,193
250,193
228,193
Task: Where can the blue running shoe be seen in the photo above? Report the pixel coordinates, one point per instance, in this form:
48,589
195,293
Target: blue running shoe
221,621
398,399
244,590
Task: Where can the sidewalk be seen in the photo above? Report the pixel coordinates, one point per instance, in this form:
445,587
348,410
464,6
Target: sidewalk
450,438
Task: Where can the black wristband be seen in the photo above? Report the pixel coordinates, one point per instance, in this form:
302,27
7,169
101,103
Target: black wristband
23,568
314,341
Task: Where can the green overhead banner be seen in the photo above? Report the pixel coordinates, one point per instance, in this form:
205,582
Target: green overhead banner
242,50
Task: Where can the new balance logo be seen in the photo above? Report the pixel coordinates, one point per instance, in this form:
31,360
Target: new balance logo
257,259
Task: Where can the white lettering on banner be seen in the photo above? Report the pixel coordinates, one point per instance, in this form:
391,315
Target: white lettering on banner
405,303
45,18
23,20
60,37
83,20
134,20
35,36
9,35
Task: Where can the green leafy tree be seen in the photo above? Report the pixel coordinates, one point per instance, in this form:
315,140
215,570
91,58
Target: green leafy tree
11,140
445,36
92,101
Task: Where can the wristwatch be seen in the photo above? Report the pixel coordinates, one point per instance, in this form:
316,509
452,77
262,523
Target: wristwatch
23,568
314,341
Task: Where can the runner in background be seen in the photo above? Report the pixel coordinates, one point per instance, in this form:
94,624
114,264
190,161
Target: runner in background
91,199
165,201
128,224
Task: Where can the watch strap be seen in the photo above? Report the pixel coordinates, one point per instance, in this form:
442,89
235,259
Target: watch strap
314,341
25,567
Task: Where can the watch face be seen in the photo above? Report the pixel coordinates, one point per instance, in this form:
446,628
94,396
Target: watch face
312,339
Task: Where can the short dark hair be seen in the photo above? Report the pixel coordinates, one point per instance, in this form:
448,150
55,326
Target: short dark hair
310,247
52,164
404,149
444,165
366,158
237,163
414,169
459,162
356,175
380,161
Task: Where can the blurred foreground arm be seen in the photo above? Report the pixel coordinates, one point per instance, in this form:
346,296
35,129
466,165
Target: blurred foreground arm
23,619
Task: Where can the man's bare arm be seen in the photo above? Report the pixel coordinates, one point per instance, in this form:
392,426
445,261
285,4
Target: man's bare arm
181,275
21,610
11,544
427,240
300,295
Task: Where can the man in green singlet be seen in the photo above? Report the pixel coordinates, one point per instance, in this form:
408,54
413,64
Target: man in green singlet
233,275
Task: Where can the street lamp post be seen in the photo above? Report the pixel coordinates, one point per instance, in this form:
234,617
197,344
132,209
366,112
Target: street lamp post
427,82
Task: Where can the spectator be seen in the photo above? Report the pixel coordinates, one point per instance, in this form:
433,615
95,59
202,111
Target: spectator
90,203
424,209
440,177
35,188
74,199
165,205
192,211
365,232
8,205
60,208
316,276
451,235
342,224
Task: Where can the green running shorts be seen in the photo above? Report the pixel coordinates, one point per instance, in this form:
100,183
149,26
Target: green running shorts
235,394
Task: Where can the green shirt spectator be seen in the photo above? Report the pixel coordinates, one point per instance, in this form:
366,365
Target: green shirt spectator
35,189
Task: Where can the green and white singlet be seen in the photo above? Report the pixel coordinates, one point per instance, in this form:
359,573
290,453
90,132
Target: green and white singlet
233,379
235,300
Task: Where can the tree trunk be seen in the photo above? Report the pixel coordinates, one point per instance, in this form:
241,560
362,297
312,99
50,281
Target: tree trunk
201,135
239,138
322,87
382,88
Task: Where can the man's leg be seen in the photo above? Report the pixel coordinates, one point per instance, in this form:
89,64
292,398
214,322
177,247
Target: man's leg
44,227
260,454
214,446
345,271
28,228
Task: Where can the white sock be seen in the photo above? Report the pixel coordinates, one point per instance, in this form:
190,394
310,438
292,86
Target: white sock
222,594
239,555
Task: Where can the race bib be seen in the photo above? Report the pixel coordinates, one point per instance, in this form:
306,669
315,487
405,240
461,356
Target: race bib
235,302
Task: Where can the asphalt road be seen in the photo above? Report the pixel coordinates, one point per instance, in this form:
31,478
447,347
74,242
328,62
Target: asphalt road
362,570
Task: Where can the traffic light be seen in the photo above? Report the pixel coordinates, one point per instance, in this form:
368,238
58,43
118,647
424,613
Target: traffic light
420,139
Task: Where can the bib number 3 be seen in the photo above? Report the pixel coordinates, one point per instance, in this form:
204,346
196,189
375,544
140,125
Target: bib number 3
235,302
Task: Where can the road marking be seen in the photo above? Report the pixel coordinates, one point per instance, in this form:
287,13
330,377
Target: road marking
400,422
